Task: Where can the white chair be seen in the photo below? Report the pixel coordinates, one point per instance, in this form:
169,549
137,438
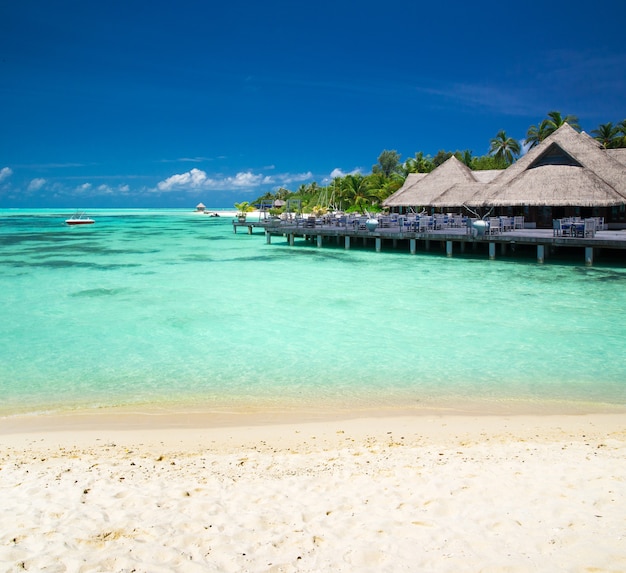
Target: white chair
425,224
589,229
506,223
494,225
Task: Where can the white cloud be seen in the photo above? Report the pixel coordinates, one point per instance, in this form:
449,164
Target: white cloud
196,179
36,184
295,177
198,159
337,172
193,179
83,188
245,180
5,173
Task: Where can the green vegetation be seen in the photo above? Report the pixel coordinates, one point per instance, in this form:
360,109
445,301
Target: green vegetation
609,135
243,209
357,192
504,148
537,133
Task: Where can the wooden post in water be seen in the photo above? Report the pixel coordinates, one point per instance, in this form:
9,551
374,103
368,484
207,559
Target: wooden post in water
492,251
541,253
291,239
347,243
448,248
319,240
412,246
589,256
378,244
268,237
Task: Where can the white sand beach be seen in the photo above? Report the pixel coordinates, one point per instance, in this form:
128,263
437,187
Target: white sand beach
418,493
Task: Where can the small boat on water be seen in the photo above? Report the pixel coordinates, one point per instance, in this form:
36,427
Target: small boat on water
79,219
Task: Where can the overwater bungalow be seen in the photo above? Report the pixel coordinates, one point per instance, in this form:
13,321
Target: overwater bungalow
567,193
567,174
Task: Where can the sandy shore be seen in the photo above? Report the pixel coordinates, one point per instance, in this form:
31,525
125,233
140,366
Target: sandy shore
418,493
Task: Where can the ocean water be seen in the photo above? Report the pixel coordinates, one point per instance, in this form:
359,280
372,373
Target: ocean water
171,309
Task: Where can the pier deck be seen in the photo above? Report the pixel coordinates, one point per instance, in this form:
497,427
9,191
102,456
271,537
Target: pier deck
543,239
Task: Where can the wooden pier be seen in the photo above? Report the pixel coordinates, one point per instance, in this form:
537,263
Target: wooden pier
451,239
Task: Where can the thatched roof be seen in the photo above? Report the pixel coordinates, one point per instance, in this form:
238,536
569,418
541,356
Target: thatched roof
562,186
457,195
405,190
462,193
566,169
422,192
487,175
619,154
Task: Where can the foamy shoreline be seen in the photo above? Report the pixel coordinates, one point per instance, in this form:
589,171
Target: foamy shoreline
403,493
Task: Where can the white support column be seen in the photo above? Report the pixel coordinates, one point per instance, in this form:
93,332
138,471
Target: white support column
347,245
291,239
541,253
412,246
449,248
589,256
319,240
378,244
492,251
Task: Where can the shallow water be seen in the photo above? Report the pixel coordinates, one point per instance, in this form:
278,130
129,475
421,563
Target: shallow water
169,307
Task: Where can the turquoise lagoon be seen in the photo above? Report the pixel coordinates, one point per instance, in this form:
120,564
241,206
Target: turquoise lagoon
170,309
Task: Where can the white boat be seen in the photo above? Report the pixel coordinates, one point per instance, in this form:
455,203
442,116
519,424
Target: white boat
79,219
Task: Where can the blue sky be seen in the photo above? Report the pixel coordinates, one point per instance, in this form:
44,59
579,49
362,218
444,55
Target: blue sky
141,104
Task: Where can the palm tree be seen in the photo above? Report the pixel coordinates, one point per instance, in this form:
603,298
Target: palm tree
243,209
536,134
418,164
355,189
381,187
622,130
608,135
504,148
